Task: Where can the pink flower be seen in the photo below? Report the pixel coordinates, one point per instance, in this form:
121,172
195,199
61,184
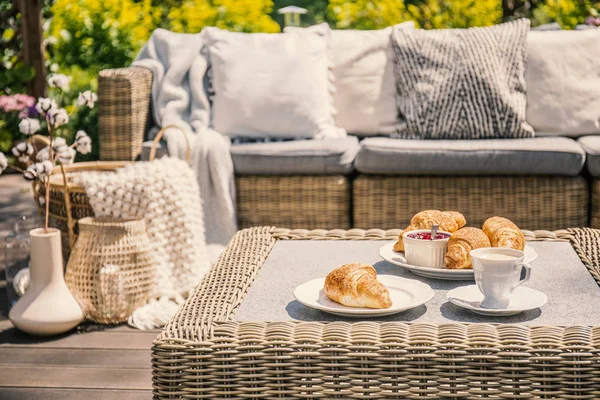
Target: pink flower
27,100
592,21
8,104
17,102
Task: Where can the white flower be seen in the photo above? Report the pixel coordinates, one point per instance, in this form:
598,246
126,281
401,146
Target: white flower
3,163
59,81
67,157
38,171
80,134
87,98
23,152
43,154
43,169
58,117
45,105
59,145
83,142
30,173
29,126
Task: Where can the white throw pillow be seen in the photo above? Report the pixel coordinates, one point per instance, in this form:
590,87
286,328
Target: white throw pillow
363,70
270,85
563,82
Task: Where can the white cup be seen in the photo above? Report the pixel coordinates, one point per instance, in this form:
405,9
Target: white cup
497,273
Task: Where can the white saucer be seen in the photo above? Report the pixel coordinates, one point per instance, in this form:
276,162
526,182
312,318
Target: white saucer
404,293
388,254
522,299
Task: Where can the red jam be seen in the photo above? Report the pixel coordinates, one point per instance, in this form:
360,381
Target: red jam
427,236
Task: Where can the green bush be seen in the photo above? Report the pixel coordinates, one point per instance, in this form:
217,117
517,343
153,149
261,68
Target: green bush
568,13
99,34
443,14
233,15
81,118
367,14
14,75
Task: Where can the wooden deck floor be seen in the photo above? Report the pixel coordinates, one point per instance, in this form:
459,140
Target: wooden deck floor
93,362
88,363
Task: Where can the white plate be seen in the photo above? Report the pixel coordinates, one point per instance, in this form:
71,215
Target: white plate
522,299
388,254
404,293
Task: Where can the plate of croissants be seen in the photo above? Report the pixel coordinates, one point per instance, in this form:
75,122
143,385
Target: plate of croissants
355,290
495,232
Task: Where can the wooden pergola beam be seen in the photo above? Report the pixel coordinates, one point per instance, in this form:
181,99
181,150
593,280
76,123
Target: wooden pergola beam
33,44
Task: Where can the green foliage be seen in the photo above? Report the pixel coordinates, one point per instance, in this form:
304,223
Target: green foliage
14,77
13,73
568,13
442,14
367,14
98,34
427,14
9,130
81,118
233,15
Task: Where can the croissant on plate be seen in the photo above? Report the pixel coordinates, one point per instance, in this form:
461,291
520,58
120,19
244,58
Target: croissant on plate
502,232
356,285
460,245
449,221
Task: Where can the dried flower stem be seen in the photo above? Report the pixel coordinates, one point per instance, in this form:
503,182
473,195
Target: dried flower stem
16,169
47,182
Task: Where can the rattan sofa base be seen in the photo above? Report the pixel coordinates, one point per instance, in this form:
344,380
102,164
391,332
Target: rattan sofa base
313,202
532,202
202,354
595,204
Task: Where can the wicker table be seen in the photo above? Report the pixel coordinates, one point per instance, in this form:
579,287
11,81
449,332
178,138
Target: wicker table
204,352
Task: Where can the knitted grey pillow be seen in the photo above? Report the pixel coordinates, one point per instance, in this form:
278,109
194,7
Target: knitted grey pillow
462,83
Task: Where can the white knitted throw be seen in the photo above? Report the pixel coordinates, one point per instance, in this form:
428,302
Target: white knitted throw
179,98
164,193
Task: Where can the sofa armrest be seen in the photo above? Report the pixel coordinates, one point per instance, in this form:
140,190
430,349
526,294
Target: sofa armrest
124,115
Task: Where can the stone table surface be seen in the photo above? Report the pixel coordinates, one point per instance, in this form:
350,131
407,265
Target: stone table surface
557,271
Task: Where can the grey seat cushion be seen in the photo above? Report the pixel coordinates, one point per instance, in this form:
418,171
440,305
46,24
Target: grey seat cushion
591,146
161,150
535,156
298,157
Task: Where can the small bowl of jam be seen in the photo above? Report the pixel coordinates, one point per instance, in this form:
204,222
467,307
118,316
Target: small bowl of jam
422,250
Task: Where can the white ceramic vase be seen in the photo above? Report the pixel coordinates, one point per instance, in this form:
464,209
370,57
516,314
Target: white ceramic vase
48,307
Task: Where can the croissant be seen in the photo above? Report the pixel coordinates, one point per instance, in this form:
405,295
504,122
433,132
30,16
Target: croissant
356,285
449,221
458,217
399,245
460,245
502,232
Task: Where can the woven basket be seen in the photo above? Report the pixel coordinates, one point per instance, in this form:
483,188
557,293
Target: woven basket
111,271
68,200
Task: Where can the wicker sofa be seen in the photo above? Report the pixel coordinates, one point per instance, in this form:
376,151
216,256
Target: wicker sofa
539,183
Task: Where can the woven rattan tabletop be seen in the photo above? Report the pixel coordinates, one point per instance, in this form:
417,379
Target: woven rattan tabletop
206,352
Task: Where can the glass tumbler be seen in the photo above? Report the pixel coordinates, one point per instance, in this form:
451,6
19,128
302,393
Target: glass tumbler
16,253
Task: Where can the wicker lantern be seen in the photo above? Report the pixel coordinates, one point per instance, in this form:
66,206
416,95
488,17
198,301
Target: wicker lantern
111,271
